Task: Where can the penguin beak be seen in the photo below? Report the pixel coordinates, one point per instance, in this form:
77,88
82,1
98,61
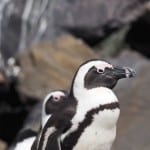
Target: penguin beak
123,72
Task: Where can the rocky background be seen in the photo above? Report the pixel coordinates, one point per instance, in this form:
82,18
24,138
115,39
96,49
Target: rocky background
42,42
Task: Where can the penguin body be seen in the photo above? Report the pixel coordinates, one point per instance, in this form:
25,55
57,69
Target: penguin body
96,125
51,103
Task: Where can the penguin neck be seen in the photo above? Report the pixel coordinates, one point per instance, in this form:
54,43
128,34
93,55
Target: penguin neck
44,119
99,95
91,100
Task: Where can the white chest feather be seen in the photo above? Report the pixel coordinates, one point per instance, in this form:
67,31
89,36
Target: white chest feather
101,133
44,119
25,144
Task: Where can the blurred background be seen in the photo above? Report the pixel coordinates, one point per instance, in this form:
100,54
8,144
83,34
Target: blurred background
42,42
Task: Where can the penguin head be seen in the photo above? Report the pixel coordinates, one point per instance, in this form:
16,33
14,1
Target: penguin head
51,103
97,73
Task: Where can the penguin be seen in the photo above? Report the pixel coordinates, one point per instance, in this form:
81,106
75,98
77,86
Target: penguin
50,104
88,117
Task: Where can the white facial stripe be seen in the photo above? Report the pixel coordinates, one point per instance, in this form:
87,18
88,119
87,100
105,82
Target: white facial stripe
44,119
104,65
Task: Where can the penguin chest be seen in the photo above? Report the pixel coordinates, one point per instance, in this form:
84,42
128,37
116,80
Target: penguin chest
100,134
26,144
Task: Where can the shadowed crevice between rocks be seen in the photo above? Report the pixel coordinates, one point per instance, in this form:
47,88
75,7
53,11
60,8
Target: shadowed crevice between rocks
14,108
138,37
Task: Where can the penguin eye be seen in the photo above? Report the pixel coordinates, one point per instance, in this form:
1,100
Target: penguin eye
55,99
100,71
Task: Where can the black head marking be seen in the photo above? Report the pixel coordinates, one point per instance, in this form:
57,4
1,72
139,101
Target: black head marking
53,103
71,89
98,77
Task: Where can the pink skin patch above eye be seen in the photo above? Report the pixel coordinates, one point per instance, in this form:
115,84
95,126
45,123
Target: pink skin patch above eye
103,66
56,99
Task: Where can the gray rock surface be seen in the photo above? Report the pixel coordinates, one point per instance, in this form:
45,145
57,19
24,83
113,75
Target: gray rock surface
24,23
134,123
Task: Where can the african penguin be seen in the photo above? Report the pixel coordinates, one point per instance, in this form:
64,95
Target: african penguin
88,117
50,104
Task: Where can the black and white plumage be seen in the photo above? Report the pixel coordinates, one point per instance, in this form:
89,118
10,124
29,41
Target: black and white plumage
52,101
88,117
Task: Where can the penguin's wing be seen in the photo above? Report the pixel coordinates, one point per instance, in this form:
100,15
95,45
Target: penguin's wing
57,124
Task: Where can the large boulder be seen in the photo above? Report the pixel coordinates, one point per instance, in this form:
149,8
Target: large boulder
23,23
50,66
134,122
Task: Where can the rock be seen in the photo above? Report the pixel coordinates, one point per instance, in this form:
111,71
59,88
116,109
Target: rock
138,34
3,145
113,44
134,122
14,106
34,20
50,66
33,120
93,20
